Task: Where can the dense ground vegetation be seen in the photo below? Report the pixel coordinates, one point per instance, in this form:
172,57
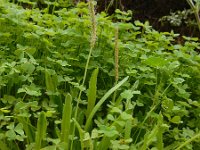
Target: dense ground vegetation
73,79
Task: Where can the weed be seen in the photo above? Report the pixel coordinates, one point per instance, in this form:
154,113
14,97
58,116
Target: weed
59,69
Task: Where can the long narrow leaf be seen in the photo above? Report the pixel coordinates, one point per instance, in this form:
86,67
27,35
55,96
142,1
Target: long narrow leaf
160,144
101,101
92,92
41,130
66,117
51,82
128,128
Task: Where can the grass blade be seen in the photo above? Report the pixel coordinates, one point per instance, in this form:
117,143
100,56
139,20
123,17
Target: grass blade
101,101
41,130
66,117
92,92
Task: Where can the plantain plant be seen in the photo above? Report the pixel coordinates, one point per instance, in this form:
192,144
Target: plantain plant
72,78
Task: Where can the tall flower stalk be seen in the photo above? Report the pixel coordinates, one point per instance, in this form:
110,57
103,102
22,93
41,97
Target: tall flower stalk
116,59
116,55
92,45
93,36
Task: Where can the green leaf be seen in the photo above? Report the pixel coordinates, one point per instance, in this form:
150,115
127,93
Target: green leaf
62,63
41,130
118,145
11,134
126,116
156,62
127,94
66,120
92,92
19,129
30,90
54,147
101,101
176,120
178,80
108,131
110,117
167,104
28,67
136,92
8,99
81,133
173,65
116,110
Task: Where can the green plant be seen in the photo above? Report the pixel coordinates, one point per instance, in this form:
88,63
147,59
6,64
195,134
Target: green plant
41,130
58,72
177,18
66,120
92,45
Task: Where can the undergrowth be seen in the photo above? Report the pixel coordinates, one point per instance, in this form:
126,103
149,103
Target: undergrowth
73,79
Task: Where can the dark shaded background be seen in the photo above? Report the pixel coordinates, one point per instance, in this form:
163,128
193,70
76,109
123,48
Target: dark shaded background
152,10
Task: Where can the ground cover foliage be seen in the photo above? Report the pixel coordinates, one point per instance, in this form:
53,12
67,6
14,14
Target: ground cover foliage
72,79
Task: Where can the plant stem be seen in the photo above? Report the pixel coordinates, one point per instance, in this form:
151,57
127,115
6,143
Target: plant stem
188,141
92,44
195,10
116,60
